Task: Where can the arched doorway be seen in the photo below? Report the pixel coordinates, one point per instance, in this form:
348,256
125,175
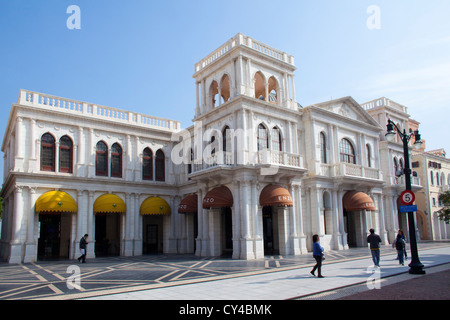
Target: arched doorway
108,210
55,210
275,200
219,201
153,211
356,204
422,225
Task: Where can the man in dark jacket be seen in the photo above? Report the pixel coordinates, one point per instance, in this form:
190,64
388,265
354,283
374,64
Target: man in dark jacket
374,240
83,247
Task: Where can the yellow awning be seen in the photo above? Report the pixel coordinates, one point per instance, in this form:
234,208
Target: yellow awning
56,202
109,203
154,206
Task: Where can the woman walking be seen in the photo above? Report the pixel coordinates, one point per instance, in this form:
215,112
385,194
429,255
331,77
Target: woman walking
318,255
399,244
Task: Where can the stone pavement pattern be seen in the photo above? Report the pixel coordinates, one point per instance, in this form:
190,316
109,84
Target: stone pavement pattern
290,284
167,277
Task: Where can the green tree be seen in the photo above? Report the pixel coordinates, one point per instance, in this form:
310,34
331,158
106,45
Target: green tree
444,213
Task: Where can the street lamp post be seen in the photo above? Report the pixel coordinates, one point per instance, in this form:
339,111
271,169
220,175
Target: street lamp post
415,267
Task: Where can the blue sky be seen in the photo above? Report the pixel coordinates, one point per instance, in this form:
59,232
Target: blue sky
139,55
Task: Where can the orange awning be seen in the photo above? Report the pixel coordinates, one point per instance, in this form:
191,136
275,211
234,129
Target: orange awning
189,204
274,195
218,197
357,200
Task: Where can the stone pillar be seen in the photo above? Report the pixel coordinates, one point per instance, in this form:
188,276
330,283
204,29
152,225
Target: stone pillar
31,243
16,252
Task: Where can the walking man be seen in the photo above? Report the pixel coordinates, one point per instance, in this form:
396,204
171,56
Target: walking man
83,247
374,240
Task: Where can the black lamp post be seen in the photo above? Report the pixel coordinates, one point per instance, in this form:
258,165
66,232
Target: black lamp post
415,267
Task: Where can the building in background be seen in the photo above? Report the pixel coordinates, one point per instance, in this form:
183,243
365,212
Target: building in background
256,173
433,169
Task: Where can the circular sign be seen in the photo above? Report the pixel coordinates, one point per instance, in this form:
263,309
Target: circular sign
407,197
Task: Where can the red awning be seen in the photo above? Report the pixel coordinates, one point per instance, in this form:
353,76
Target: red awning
189,204
357,200
274,195
218,197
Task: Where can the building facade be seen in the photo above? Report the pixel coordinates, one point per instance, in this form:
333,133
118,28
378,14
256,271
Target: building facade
433,168
256,173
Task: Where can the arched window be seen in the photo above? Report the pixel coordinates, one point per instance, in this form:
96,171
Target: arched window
276,139
273,90
214,94
323,148
147,164
47,152
226,145
369,155
347,152
190,162
263,139
225,88
432,177
395,165
101,159
65,155
116,161
160,173
260,86
437,178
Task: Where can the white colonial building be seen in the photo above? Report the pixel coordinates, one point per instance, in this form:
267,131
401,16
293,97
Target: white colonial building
256,174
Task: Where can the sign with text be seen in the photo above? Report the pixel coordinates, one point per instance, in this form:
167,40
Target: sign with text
408,208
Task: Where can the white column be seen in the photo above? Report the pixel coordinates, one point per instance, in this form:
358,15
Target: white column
137,226
236,222
337,239
197,108
293,222
91,225
20,145
257,223
341,219
31,244
15,255
246,240
198,240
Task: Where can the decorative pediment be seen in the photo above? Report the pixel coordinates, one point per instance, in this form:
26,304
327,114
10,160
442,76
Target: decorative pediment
349,108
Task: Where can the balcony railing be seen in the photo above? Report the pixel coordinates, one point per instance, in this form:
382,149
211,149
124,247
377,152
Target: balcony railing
280,158
415,181
265,157
348,169
242,40
384,102
89,109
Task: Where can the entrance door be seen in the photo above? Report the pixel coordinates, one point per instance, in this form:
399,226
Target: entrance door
268,230
49,236
151,239
107,234
228,231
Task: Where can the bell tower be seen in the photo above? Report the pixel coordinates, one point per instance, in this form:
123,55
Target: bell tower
244,66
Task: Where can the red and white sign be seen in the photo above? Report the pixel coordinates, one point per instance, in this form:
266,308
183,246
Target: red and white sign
407,197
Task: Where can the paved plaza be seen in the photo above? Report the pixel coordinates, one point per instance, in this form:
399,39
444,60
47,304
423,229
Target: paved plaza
181,277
